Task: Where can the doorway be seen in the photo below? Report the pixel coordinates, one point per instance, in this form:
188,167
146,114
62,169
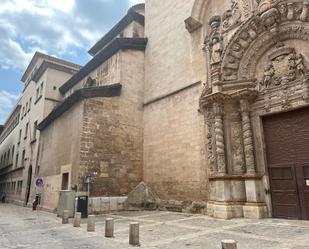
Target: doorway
287,151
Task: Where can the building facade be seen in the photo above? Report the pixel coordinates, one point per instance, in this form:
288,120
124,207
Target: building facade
20,140
206,101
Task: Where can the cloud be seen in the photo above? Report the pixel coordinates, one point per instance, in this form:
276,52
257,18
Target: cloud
133,2
7,102
57,27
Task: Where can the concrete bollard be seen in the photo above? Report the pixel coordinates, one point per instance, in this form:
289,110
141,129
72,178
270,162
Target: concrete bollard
229,244
65,217
91,223
134,234
77,219
109,228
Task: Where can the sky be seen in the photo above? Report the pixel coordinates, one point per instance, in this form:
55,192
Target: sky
66,29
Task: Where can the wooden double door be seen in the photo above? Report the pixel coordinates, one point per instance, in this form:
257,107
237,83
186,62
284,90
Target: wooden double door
287,149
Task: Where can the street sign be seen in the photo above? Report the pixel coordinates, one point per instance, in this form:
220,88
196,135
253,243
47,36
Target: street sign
39,182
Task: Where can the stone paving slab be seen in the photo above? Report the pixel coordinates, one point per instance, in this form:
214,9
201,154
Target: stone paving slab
20,228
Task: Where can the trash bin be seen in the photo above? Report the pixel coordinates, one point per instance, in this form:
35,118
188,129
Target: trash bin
82,205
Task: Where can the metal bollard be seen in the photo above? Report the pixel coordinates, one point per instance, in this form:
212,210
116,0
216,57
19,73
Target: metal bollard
65,217
77,219
134,234
229,244
109,228
91,223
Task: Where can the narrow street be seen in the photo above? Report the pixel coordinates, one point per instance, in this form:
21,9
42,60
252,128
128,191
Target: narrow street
22,228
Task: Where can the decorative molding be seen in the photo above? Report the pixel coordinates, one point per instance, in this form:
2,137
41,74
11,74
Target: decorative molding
192,24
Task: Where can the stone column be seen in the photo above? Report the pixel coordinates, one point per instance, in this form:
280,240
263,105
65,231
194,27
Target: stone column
209,118
247,136
219,133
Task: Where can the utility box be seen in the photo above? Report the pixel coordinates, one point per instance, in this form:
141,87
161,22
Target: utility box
66,202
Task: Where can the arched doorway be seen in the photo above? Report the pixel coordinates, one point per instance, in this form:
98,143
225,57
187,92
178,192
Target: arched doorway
28,189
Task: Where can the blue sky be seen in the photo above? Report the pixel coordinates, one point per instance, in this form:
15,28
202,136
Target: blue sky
61,28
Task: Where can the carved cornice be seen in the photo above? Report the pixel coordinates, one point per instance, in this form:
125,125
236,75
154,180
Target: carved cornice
208,100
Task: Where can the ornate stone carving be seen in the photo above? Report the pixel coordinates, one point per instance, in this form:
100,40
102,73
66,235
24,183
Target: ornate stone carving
231,17
214,41
219,133
305,12
214,45
284,66
210,130
247,136
237,144
261,32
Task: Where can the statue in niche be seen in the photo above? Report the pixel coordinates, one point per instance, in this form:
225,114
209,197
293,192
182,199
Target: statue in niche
269,73
216,49
214,41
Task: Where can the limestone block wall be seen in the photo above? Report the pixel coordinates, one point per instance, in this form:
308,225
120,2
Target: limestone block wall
99,205
174,149
112,133
169,62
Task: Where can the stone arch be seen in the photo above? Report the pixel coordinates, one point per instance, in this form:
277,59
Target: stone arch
256,36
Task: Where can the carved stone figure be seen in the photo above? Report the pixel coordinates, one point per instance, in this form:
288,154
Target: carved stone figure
284,66
269,73
216,51
214,41
231,17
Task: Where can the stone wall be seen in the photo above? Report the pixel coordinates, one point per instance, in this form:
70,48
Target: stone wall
174,156
112,135
174,163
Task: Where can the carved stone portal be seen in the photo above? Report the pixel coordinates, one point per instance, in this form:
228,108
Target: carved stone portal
261,66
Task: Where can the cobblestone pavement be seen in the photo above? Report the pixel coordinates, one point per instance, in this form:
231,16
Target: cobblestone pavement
22,228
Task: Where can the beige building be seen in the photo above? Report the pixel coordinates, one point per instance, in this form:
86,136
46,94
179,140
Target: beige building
20,141
206,101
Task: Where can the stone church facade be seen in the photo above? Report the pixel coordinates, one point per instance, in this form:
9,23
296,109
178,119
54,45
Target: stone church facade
206,101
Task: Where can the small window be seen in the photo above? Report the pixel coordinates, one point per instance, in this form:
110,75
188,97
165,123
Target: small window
9,158
26,130
16,160
23,158
20,132
29,108
35,129
26,110
65,181
37,93
41,89
13,151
